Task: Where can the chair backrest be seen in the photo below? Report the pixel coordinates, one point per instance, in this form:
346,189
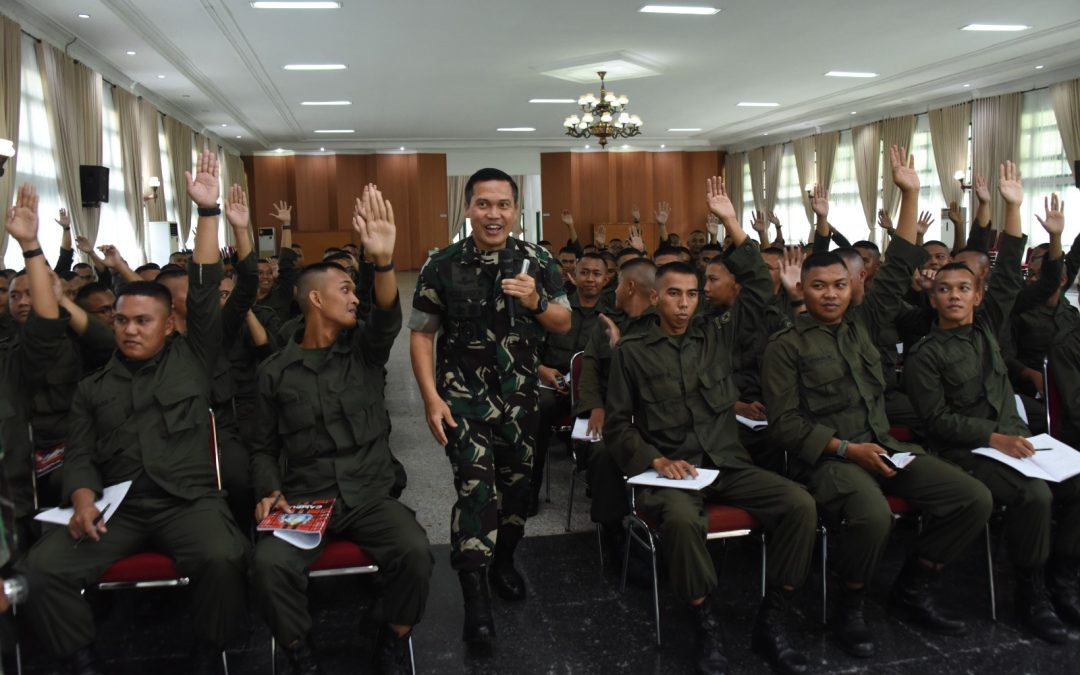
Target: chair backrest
1053,400
575,375
215,454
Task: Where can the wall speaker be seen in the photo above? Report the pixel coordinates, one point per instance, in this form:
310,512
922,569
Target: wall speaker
94,181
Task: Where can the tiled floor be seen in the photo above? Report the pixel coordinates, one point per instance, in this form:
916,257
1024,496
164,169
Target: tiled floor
576,620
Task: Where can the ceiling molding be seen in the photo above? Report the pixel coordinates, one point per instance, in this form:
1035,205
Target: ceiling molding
127,12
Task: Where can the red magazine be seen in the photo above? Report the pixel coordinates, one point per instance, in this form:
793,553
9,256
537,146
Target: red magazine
303,527
47,460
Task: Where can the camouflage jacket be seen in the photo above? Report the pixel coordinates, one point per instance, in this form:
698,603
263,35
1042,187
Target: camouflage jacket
485,368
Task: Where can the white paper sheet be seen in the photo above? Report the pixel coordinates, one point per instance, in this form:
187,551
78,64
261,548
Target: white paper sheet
752,424
900,459
1053,460
652,479
111,496
581,431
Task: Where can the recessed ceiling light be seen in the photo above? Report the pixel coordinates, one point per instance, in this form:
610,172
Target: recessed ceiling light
1039,67
224,125
849,73
315,66
239,136
315,4
552,100
402,148
326,103
618,66
516,129
756,104
586,147
161,77
966,86
854,113
996,27
625,147
280,150
684,129
335,131
83,16
765,134
322,149
662,146
679,9
130,53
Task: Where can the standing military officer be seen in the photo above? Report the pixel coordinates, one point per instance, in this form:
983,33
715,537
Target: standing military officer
145,418
824,390
481,394
957,379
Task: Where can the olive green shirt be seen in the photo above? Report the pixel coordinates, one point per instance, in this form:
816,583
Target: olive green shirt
596,357
280,297
559,349
1065,375
823,382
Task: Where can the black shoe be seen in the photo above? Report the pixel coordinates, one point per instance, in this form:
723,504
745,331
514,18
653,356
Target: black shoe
479,624
206,659
849,625
1034,609
84,662
534,505
507,581
912,595
770,639
301,656
710,647
393,653
1063,581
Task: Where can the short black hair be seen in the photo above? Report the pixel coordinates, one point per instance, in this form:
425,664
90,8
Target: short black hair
171,267
484,175
849,253
81,265
147,289
340,255
627,252
935,242
148,266
667,250
977,251
569,249
712,247
957,266
608,256
543,241
296,246
89,289
863,243
677,267
307,279
171,272
699,231
822,259
614,239
772,250
68,275
594,256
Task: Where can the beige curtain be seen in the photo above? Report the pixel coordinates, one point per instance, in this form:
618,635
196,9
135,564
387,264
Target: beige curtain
804,166
1065,97
10,92
774,158
455,205
232,172
756,159
866,142
897,131
733,177
73,104
949,137
128,109
150,159
825,148
178,140
995,138
201,142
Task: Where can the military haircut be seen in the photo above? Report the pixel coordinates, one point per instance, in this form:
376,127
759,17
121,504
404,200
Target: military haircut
607,256
489,174
950,267
296,246
720,261
626,253
544,242
146,289
982,255
68,275
712,247
171,272
594,256
935,242
667,249
868,245
570,249
89,289
849,255
641,271
81,266
821,259
340,255
311,277
677,267
772,250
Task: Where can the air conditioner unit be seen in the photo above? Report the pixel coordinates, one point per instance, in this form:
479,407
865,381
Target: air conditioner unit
267,242
162,238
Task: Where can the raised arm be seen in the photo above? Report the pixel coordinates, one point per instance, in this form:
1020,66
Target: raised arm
662,213
205,270
979,237
116,264
1007,279
745,261
66,258
22,225
246,270
283,214
957,218
373,221
819,202
571,231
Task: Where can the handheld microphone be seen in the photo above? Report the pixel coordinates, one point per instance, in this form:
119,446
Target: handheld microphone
16,589
506,271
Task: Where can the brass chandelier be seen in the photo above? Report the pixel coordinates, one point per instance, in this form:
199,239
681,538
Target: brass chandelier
603,117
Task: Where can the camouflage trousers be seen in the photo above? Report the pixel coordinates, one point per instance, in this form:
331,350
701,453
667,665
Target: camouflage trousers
492,463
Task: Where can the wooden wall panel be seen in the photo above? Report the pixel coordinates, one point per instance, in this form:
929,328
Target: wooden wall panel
394,175
556,186
351,174
316,194
432,205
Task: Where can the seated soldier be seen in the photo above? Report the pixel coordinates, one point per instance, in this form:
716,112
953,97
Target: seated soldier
97,300
323,418
871,256
568,259
670,407
824,391
145,418
555,355
956,377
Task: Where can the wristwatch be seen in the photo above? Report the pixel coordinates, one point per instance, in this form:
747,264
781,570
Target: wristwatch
541,306
842,450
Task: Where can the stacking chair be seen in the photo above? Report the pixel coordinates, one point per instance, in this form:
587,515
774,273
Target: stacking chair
578,450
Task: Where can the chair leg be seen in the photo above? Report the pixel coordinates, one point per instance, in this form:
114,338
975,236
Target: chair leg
18,647
224,662
547,477
570,503
273,655
990,574
764,555
655,586
626,556
600,544
412,657
824,575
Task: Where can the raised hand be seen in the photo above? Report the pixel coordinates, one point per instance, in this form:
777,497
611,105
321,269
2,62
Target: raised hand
22,219
64,220
373,221
791,268
83,244
203,187
954,213
636,240
600,236
903,170
774,219
1012,191
924,222
236,209
282,212
635,214
1054,220
982,190
111,256
567,218
614,334
884,221
712,224
663,211
717,199
819,201
758,223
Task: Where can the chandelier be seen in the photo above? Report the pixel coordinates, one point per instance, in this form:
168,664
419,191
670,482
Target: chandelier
603,117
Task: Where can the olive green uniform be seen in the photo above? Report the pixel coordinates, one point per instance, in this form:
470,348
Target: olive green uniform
280,297
959,384
823,382
147,422
323,417
485,370
674,397
1065,373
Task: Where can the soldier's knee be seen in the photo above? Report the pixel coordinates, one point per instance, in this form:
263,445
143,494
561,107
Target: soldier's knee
801,506
268,568
870,521
981,503
1036,498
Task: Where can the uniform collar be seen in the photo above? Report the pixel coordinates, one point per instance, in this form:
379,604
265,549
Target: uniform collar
804,322
117,366
470,254
293,352
959,333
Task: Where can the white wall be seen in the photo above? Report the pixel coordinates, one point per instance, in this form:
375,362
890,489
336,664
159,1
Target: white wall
514,161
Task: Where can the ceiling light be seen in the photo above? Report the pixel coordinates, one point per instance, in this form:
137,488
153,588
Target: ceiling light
625,147
280,150
315,66
996,27
516,129
662,146
765,134
684,129
1039,67
849,73
296,5
551,100
161,77
83,16
224,125
239,136
679,9
617,65
854,113
756,104
402,148
322,149
603,116
966,86
335,131
586,147
130,53
326,103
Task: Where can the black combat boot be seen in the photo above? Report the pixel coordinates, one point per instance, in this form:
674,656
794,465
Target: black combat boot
710,647
849,624
505,579
1034,609
912,595
206,659
479,624
770,639
1063,581
394,654
84,662
301,657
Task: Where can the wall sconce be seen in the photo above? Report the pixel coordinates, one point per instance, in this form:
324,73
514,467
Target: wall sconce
7,149
960,175
809,187
154,182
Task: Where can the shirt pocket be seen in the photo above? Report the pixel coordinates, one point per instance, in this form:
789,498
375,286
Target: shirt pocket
718,388
296,424
664,406
824,388
963,381
872,366
179,402
367,419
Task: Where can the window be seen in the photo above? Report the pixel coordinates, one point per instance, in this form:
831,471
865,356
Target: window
115,226
1044,169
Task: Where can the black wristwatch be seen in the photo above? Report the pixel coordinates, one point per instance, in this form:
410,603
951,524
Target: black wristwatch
541,306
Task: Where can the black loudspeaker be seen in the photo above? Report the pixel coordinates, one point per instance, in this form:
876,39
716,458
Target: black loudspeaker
94,181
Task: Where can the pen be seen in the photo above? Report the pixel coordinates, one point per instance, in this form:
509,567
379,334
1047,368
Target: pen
97,521
275,503
1042,449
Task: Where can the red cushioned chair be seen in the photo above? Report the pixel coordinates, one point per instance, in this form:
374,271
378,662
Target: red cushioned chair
340,558
725,522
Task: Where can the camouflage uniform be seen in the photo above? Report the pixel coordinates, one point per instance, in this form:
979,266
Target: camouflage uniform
486,373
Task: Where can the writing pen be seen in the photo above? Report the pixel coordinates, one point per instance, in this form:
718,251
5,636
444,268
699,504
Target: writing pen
97,521
1042,449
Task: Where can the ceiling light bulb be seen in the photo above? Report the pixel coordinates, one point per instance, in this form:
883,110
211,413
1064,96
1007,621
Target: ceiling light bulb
281,150
606,117
83,16
315,66
130,53
322,149
995,27
854,113
224,125
569,122
757,104
1039,67
849,73
966,86
326,103
587,118
623,100
239,136
161,77
402,148
586,147
315,4
679,9
625,147
662,146
635,120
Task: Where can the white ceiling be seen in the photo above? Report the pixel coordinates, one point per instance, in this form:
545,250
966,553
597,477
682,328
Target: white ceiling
444,74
